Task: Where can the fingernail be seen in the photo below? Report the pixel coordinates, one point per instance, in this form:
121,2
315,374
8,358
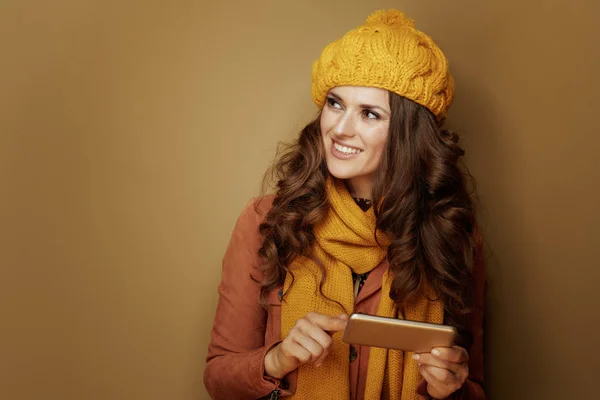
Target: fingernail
416,356
419,365
435,352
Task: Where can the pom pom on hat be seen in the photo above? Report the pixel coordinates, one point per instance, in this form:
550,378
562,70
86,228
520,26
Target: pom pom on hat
391,18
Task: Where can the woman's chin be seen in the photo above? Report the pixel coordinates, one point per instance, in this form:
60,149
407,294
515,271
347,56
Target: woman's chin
341,174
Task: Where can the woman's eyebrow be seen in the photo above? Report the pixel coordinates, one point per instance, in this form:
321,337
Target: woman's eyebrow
335,96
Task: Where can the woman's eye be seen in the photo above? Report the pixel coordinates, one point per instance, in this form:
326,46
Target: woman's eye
333,103
370,114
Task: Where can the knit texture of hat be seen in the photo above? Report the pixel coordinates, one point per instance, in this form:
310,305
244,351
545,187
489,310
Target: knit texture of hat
386,52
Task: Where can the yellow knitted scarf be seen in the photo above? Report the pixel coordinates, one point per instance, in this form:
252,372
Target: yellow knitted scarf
345,242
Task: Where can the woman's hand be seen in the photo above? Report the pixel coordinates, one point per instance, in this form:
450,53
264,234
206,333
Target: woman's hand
445,369
308,341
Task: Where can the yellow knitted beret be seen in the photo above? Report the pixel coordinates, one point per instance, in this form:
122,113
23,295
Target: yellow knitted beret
389,53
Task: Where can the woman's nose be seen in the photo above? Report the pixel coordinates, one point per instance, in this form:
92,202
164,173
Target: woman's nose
345,126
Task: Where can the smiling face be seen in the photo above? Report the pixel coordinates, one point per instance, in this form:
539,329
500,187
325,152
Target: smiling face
354,126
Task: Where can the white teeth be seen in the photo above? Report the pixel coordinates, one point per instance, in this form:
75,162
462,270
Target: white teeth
345,149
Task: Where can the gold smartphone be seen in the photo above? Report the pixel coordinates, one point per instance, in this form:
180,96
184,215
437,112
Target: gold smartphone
399,334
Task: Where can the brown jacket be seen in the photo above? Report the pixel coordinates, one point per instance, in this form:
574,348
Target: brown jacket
243,331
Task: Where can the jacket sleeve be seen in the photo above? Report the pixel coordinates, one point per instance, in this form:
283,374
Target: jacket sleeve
473,387
234,364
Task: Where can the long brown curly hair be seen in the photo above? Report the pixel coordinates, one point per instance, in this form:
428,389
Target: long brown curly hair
423,204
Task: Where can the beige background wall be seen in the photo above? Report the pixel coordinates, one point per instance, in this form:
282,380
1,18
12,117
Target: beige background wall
133,132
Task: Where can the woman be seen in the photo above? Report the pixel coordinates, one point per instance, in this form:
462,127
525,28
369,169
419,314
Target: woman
371,215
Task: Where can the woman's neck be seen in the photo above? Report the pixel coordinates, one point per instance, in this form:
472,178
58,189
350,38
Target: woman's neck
360,187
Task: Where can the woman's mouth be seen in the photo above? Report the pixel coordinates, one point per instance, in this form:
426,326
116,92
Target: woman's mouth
344,152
